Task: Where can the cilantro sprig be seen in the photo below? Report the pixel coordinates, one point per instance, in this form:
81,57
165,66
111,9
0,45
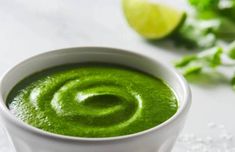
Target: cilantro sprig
210,22
233,82
208,60
214,8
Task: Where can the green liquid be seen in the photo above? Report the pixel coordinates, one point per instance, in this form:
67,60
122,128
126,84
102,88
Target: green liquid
92,100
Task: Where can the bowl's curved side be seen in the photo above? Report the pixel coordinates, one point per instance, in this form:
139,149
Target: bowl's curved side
153,138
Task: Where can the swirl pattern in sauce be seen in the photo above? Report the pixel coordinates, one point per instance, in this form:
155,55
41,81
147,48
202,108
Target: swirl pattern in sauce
92,100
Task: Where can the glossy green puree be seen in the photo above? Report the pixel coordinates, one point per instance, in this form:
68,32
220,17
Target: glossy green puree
92,100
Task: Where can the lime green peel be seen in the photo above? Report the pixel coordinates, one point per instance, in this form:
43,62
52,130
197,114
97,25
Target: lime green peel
152,20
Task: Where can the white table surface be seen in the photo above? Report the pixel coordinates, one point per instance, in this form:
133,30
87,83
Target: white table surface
30,27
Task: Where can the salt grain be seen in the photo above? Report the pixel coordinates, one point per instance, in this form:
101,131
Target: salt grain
222,142
211,125
221,126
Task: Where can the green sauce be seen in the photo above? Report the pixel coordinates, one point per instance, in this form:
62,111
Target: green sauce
92,100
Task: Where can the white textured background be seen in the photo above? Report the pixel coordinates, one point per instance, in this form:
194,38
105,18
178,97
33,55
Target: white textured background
29,27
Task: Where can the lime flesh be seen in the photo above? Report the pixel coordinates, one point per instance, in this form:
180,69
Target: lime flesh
152,20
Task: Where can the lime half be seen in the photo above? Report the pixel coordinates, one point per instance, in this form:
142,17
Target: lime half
152,20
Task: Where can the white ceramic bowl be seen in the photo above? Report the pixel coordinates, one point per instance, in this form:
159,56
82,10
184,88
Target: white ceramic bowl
161,138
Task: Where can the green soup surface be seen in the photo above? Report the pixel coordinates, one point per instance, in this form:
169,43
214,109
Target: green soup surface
92,100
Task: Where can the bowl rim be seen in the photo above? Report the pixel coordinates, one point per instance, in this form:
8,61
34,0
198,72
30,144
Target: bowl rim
33,130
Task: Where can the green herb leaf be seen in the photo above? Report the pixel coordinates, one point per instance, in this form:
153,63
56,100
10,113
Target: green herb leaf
215,59
204,4
208,60
185,60
231,50
212,21
197,33
192,69
225,29
233,82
